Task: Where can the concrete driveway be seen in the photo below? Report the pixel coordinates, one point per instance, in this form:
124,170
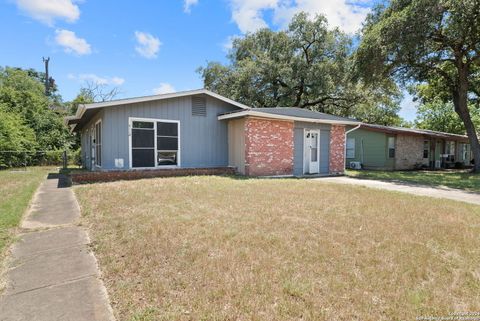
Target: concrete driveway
415,189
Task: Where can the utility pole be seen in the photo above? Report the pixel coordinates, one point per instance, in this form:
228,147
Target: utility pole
47,78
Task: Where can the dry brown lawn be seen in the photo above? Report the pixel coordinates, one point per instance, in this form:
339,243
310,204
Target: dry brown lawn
220,248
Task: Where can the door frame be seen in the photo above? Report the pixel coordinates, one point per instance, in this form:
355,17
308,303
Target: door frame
91,138
306,151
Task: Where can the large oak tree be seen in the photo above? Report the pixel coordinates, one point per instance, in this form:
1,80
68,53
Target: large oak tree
309,65
436,42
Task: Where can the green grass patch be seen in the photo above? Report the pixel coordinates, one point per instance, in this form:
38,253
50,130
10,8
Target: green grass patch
454,179
16,190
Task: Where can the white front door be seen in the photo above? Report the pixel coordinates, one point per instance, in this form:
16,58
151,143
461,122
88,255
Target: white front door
312,151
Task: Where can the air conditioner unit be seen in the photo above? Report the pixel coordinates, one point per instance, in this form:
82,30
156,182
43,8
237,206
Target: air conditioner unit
355,165
438,164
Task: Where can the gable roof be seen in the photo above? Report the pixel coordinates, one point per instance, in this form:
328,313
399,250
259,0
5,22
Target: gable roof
291,113
412,131
73,120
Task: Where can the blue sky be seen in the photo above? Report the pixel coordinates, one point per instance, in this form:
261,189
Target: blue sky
146,47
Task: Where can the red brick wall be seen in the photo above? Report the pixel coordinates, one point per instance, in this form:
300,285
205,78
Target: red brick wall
337,150
114,175
268,147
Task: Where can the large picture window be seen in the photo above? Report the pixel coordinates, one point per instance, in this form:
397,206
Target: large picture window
154,143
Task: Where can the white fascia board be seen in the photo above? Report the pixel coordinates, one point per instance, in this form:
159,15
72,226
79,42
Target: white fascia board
283,117
82,108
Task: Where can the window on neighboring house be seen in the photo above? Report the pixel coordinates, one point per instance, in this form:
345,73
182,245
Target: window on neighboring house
426,148
391,147
98,143
464,152
450,151
350,147
167,143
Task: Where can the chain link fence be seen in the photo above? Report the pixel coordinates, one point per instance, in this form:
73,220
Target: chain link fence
21,159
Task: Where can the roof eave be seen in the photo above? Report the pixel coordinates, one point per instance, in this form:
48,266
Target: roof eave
164,96
284,117
408,132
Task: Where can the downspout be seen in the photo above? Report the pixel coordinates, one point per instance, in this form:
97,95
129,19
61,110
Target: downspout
345,145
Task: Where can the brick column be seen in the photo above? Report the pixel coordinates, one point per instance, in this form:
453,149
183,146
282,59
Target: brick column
268,147
337,150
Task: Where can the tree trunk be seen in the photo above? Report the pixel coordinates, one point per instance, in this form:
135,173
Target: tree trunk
460,101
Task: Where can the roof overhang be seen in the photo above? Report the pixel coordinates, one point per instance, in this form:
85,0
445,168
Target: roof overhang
414,132
259,114
73,120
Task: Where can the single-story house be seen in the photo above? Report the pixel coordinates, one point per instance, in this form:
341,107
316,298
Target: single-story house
201,129
397,148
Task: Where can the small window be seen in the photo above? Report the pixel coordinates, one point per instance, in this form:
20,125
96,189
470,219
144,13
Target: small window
391,147
426,148
199,106
350,147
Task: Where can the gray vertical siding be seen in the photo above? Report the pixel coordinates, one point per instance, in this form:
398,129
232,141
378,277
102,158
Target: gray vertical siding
298,153
85,140
203,139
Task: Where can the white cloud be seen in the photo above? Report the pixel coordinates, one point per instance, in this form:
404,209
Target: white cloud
71,43
99,80
117,81
148,45
345,14
47,11
247,14
163,88
187,4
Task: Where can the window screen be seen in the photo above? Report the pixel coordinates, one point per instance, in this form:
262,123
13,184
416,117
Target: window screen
350,147
167,143
143,157
391,147
143,144
167,129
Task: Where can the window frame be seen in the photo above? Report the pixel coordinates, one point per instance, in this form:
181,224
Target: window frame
347,149
451,147
393,148
426,148
154,121
95,135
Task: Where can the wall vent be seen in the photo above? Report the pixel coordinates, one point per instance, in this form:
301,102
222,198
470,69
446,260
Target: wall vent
199,106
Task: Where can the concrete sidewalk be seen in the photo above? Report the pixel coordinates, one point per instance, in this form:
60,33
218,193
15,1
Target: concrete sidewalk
52,274
437,192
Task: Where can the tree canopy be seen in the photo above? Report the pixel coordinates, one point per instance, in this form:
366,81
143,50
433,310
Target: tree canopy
308,65
436,42
29,120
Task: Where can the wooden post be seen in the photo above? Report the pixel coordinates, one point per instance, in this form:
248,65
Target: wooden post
65,163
